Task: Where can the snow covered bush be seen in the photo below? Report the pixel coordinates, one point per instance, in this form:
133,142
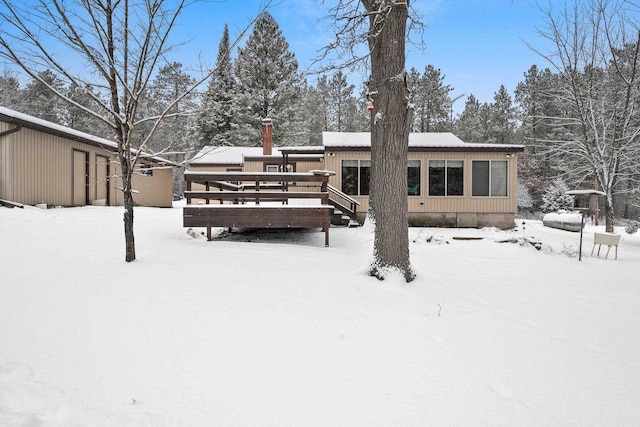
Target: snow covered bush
555,198
525,201
632,227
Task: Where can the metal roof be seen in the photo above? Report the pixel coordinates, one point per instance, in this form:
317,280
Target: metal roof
20,119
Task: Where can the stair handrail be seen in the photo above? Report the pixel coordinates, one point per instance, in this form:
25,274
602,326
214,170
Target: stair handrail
352,202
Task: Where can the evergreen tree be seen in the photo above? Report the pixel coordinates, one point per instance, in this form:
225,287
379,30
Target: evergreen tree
10,92
430,97
341,113
77,118
174,136
38,102
218,115
467,127
534,97
313,114
503,118
269,84
555,198
175,132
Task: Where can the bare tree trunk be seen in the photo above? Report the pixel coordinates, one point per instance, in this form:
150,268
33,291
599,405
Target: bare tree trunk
130,246
389,138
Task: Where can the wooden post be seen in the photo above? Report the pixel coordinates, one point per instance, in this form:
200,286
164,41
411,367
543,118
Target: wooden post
581,228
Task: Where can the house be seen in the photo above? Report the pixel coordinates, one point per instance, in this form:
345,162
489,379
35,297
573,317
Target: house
256,159
450,183
42,162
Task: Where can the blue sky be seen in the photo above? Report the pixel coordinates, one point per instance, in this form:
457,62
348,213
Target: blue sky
477,44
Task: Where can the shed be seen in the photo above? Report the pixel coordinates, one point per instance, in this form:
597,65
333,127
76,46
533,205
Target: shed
588,202
43,162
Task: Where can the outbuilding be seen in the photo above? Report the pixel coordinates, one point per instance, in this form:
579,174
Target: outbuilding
45,163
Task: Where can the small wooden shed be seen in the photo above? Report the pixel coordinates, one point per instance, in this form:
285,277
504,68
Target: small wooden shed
588,202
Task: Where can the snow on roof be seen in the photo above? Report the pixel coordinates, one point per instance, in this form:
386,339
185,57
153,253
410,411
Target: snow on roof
310,149
580,192
41,123
416,139
44,125
220,155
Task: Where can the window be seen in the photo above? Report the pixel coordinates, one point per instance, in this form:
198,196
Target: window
446,177
146,169
413,177
355,177
489,178
272,168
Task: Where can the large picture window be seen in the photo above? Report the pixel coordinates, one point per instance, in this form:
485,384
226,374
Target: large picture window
446,177
356,175
413,177
489,178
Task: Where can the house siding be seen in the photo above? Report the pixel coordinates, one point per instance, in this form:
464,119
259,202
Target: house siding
450,211
37,167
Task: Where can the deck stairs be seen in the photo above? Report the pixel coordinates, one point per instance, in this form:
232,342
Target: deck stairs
344,208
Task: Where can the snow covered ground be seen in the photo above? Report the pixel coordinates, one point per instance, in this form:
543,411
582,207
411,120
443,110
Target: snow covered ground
278,330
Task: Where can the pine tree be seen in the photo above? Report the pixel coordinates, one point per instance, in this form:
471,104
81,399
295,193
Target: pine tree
341,113
174,133
218,115
77,118
467,127
503,119
269,84
10,92
38,102
556,198
430,97
313,114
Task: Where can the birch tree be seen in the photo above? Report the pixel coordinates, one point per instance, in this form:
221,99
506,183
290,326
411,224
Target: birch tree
596,55
113,47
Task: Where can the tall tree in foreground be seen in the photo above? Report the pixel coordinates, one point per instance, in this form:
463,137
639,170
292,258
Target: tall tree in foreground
121,45
382,24
389,135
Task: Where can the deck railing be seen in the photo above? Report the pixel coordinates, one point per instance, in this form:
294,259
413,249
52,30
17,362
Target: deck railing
343,201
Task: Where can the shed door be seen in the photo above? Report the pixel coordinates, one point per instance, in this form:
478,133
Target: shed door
102,178
80,178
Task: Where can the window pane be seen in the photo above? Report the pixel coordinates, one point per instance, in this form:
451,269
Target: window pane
480,178
350,177
413,177
455,178
365,177
436,177
499,178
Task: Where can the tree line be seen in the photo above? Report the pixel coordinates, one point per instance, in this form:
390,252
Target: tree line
578,117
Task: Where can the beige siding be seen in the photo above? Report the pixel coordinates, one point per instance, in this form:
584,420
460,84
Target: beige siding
426,204
38,168
149,190
306,166
5,165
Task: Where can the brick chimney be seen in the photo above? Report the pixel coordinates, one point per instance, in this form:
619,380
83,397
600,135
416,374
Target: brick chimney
267,136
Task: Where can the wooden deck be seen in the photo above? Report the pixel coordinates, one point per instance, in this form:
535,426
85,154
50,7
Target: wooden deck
257,200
